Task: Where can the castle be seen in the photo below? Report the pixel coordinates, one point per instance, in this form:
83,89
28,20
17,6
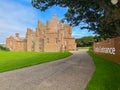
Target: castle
54,37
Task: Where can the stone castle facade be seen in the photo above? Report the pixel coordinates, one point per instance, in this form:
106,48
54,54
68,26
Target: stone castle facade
54,37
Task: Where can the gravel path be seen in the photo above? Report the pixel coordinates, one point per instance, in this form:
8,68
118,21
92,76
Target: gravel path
72,73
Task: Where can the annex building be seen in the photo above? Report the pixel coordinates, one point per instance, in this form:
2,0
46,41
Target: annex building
52,37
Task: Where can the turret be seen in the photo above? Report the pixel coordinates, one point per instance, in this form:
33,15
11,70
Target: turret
40,24
54,18
17,35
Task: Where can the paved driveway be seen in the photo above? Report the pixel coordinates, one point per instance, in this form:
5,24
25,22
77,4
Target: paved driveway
72,73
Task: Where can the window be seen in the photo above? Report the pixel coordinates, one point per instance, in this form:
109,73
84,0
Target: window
32,36
40,48
32,46
40,41
57,25
48,40
56,40
43,31
65,43
10,43
32,42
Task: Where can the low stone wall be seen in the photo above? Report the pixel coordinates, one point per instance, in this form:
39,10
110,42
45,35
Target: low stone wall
110,46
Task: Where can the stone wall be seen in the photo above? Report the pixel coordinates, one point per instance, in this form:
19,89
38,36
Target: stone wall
109,46
15,45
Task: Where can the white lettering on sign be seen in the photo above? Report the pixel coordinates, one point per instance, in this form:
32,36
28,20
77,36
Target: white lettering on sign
105,50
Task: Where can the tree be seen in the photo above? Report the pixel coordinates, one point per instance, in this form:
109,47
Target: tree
101,16
88,41
85,41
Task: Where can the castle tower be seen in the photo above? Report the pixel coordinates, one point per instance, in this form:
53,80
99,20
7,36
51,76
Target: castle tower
17,35
54,18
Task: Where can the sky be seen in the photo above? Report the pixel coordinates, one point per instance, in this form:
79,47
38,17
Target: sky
18,15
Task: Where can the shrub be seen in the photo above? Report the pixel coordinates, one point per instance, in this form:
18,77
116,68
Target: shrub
91,48
4,48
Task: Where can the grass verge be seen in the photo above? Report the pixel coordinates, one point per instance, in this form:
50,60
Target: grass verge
106,75
15,60
115,58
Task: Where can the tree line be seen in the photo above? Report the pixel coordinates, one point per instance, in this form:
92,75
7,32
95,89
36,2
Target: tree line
88,41
4,48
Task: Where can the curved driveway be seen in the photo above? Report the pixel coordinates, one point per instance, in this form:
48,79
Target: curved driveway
72,73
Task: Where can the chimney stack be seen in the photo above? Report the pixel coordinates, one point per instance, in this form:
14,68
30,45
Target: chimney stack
17,35
54,17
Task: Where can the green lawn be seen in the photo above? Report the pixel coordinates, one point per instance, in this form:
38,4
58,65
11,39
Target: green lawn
15,60
106,75
83,48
